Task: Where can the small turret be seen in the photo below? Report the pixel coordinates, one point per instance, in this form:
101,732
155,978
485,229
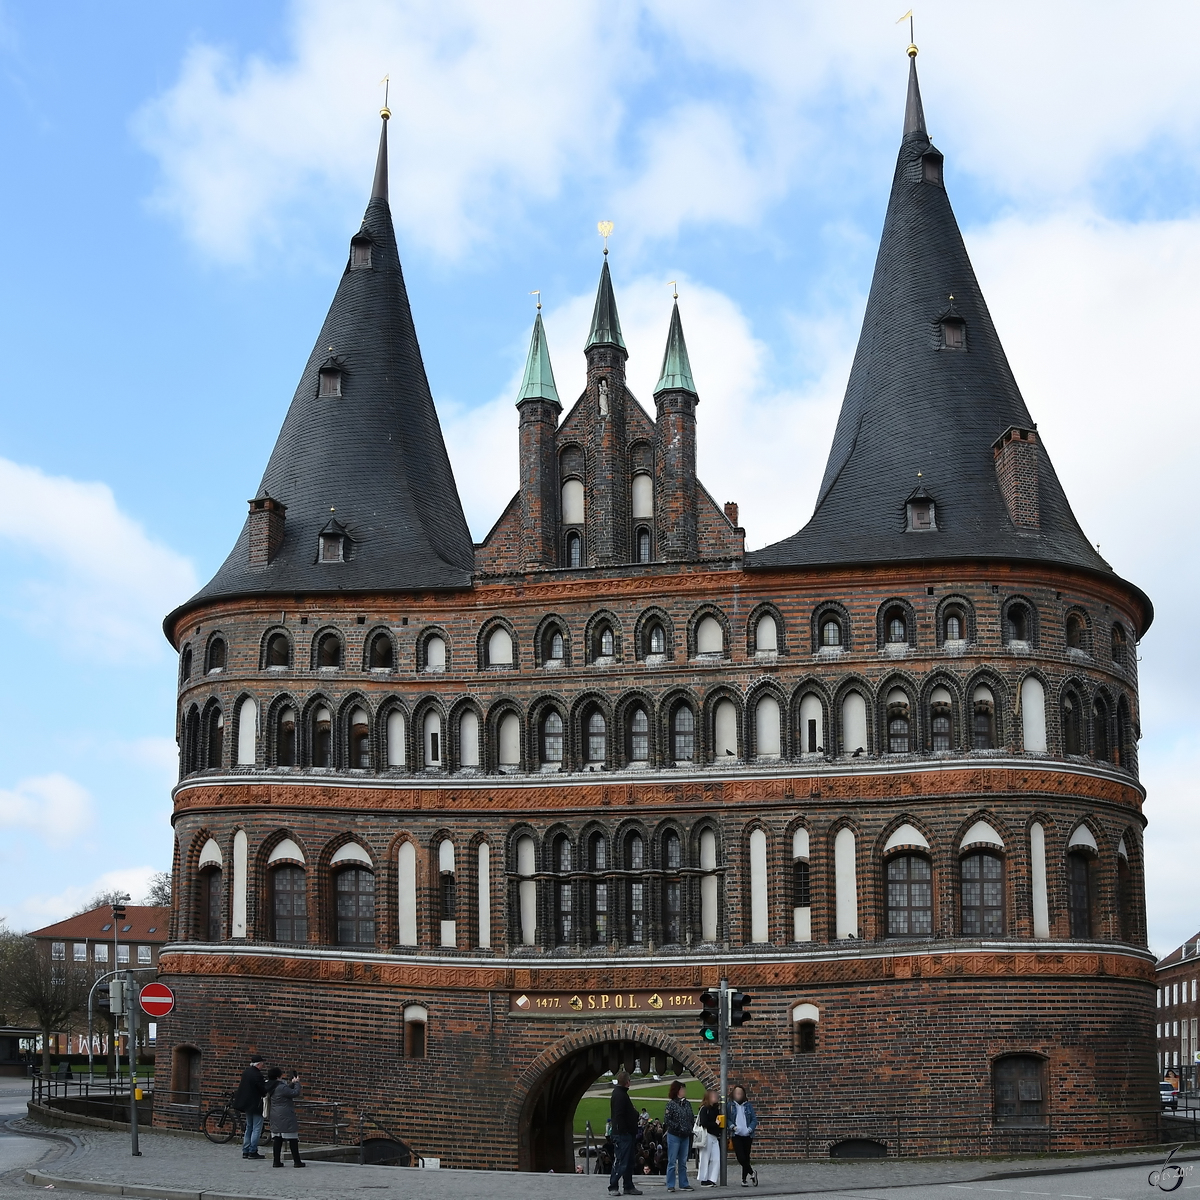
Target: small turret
675,431
539,406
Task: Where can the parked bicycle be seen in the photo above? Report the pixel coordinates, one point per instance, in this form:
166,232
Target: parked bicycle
223,1124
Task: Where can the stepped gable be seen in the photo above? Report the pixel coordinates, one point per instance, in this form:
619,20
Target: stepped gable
371,459
919,413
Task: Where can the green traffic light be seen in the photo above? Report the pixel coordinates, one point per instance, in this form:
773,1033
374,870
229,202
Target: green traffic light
708,1034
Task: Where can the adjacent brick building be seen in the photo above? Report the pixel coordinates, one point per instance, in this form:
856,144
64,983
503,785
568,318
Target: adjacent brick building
459,828
1177,1019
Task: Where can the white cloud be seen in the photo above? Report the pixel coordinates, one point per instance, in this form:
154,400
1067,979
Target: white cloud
53,806
80,563
45,908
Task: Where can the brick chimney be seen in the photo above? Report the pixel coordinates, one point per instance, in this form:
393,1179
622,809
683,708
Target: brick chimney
266,529
731,512
1016,456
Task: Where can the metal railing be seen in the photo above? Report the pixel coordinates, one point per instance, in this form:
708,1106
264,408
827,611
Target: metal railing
402,1156
56,1086
321,1122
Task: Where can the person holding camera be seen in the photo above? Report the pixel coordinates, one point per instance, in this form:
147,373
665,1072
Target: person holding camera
281,1100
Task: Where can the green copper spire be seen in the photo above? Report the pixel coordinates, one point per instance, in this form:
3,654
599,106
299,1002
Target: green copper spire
606,325
676,372
538,383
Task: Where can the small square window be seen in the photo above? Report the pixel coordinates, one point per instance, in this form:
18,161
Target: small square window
80,951
954,335
58,950
931,168
331,547
144,954
122,954
360,255
331,383
100,952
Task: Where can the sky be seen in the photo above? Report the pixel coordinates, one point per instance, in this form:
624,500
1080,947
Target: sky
182,183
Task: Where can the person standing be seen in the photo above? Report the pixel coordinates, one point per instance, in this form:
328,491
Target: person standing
708,1118
248,1099
284,1125
624,1131
679,1122
744,1123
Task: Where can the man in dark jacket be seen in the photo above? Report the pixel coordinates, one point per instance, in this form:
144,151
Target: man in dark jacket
248,1099
624,1131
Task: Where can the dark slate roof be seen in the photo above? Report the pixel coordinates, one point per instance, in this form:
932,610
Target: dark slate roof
373,458
912,406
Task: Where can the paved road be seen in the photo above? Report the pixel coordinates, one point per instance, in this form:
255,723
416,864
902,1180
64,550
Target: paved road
18,1152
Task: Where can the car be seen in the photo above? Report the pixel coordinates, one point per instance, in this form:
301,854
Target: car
1169,1094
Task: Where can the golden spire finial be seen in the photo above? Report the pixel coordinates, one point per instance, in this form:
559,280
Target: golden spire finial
385,112
538,293
673,284
912,37
605,228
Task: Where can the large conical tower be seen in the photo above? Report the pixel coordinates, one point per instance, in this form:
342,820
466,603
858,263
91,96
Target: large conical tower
358,494
935,454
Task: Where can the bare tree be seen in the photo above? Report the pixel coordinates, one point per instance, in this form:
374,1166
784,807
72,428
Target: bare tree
52,990
159,891
105,900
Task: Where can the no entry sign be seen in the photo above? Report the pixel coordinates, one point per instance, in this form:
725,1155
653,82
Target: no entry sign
157,999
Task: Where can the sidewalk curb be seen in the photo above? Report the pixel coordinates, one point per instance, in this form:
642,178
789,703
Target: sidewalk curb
38,1179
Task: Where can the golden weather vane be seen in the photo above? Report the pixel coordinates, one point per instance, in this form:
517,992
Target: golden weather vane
604,228
672,284
538,293
385,112
912,37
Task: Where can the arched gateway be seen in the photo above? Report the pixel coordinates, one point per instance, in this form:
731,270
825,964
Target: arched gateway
544,1101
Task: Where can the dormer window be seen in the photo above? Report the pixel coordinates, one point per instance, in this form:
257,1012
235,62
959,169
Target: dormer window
931,168
360,254
954,335
333,543
922,517
331,382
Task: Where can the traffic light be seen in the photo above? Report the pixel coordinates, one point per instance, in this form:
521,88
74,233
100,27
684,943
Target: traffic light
116,997
738,1003
710,1018
118,913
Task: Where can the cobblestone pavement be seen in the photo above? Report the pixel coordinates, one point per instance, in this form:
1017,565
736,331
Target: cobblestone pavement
176,1168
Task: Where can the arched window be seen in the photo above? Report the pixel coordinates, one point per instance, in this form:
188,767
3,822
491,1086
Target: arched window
211,893
416,1025
216,655
329,651
483,883
1018,1088
909,896
1079,893
766,635
435,654
854,724
759,911
572,502
656,639
355,887
500,648
564,894
983,719
185,664
1033,716
831,632
1124,734
598,861
1074,631
683,734
639,736
1072,724
1100,730
801,888
1018,623
1126,914
643,545
322,738
1118,646
725,730
360,740
574,550
397,750
604,643
247,733
468,739
509,731
554,645
982,895
527,890
432,739
447,894
898,722
597,737
804,1029
767,737
552,739
643,496
279,651
811,734
954,625
635,896
214,737
708,886
672,893
288,905
710,637
941,720
382,654
285,737
406,894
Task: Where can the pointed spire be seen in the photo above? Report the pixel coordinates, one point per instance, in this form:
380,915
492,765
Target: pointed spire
379,188
914,113
676,373
606,325
538,383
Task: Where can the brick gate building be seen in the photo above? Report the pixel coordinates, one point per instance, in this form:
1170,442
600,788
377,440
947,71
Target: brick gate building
460,827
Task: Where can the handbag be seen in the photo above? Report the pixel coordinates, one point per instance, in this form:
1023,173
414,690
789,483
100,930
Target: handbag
700,1137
